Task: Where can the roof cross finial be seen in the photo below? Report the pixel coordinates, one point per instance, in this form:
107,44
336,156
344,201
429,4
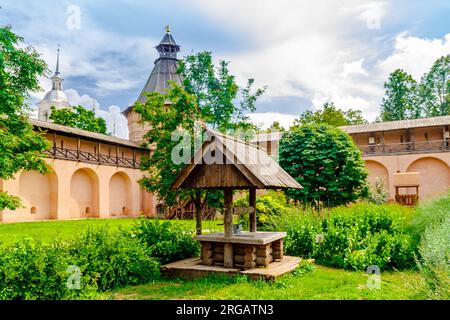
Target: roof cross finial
167,29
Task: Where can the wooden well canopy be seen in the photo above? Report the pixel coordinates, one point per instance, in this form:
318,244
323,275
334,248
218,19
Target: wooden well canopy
227,162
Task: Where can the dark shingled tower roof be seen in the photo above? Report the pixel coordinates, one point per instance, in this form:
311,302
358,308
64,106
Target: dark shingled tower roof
165,68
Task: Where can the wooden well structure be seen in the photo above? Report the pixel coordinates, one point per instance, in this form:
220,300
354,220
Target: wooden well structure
227,163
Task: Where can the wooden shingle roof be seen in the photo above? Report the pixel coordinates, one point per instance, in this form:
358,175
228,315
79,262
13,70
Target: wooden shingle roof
397,125
227,162
75,132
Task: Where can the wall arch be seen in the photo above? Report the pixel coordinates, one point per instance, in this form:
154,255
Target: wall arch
377,171
39,194
434,176
119,194
84,194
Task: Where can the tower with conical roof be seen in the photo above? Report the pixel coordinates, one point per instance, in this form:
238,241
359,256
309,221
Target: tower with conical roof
165,69
55,97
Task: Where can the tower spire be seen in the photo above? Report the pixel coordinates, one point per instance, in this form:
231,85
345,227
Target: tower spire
168,48
57,63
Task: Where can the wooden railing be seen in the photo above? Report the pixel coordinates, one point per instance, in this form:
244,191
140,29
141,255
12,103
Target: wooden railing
186,210
407,199
406,147
90,157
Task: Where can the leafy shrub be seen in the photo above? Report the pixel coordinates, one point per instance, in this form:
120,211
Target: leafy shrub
165,240
352,237
268,207
434,263
378,192
113,259
32,270
326,162
428,214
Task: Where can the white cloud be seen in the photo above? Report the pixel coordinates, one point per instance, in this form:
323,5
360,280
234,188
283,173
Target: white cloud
414,55
75,99
354,67
265,119
116,122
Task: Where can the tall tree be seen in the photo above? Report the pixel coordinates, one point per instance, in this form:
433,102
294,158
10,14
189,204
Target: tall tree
331,115
400,98
207,93
276,126
78,117
20,146
434,90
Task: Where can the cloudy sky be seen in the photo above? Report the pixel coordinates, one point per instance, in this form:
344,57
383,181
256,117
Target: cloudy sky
306,52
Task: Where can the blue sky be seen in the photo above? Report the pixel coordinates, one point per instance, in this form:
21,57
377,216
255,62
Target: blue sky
306,52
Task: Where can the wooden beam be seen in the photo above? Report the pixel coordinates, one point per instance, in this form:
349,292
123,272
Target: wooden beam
54,144
98,151
252,204
228,219
117,155
78,148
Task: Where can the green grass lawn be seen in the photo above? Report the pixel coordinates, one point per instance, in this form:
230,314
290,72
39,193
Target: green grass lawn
321,283
64,229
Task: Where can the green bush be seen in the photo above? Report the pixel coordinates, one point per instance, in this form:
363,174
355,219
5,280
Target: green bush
428,214
268,207
326,162
353,237
32,270
434,262
103,260
113,259
165,240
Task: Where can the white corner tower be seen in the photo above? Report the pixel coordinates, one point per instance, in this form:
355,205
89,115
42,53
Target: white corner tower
55,97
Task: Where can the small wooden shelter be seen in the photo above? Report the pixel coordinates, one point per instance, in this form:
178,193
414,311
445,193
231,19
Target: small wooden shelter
407,180
227,163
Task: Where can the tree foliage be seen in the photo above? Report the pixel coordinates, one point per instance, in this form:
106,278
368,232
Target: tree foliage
78,117
326,162
434,89
400,98
207,93
20,146
331,115
406,99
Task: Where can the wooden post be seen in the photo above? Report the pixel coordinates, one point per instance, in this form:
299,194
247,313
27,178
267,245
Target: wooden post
78,148
54,144
98,151
134,158
413,139
117,155
252,204
382,141
228,228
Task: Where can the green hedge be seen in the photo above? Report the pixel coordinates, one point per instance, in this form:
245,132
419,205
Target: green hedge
102,258
268,207
166,241
434,262
352,237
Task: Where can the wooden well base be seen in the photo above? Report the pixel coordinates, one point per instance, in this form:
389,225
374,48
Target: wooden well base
192,268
